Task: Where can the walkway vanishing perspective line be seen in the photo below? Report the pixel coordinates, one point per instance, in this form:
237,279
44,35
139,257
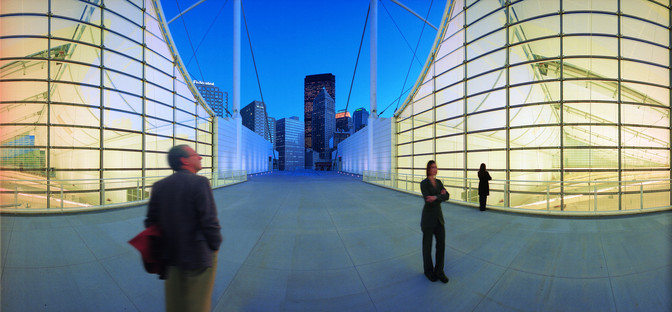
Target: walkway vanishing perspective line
316,241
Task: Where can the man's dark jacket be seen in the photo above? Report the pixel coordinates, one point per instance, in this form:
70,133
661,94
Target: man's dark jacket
183,207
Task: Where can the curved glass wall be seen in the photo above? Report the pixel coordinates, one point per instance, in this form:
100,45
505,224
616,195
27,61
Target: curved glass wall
92,95
560,99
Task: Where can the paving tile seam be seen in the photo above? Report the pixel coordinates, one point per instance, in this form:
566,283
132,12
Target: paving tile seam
226,290
96,260
347,250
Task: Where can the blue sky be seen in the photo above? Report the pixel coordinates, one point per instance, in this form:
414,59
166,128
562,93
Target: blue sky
292,39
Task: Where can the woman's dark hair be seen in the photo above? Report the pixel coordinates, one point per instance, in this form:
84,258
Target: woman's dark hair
482,169
429,164
175,154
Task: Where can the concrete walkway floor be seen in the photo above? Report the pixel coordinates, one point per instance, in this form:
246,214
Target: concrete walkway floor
311,241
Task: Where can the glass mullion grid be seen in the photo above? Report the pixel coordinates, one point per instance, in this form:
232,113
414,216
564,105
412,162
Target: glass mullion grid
562,108
465,107
48,151
507,164
101,87
143,100
619,53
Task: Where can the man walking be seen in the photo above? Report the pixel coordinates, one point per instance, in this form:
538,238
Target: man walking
183,207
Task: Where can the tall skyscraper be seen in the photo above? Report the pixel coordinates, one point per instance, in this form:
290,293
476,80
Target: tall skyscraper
343,121
271,128
290,143
216,99
360,118
312,85
254,118
324,122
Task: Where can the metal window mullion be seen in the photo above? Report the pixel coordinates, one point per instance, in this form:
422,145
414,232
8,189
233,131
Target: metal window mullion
464,104
619,147
101,163
561,108
507,186
144,104
48,143
669,68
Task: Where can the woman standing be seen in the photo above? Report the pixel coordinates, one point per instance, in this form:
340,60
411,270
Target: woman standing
432,223
483,186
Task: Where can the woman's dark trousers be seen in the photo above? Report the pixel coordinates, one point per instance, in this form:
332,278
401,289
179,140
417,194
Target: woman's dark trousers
482,200
439,232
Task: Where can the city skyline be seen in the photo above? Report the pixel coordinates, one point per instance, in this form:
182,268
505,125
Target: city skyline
291,42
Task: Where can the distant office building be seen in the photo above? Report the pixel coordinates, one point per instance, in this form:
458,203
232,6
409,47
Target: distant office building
254,118
340,136
360,118
324,122
290,143
343,121
216,99
271,128
312,85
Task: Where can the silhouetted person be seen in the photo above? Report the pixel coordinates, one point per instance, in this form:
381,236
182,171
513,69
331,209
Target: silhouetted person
183,207
432,223
483,186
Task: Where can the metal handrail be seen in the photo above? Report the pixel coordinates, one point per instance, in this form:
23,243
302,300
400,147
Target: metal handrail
590,197
74,195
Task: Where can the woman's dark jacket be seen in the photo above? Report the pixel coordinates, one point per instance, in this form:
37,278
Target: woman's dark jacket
483,185
431,212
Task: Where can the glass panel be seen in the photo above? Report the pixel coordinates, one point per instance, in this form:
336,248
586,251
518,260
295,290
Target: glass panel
75,159
534,93
450,110
75,115
492,159
535,137
448,127
595,113
640,115
119,43
450,94
494,80
184,104
123,64
590,45
449,62
157,126
10,7
124,26
450,144
646,10
81,53
486,101
645,52
480,9
645,73
22,47
539,49
495,21
521,11
595,23
532,72
23,69
489,120
157,45
590,68
158,94
27,113
487,44
535,159
423,147
641,93
122,139
153,25
634,28
404,149
593,159
590,136
23,25
74,137
426,132
125,9
122,82
486,63
64,71
121,120
596,90
590,5
645,137
185,132
122,101
185,118
122,159
486,140
23,91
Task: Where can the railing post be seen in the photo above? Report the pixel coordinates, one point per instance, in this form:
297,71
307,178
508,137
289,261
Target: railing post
595,199
62,196
137,189
16,196
548,197
641,196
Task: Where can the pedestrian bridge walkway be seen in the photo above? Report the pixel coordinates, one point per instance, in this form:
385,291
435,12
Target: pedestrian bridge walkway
329,242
